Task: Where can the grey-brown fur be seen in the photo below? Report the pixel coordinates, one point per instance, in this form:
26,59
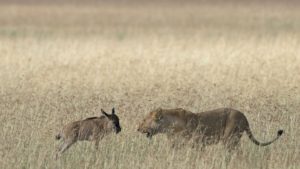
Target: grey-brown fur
90,129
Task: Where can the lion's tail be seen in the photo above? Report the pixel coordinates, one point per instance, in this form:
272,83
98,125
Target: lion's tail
251,137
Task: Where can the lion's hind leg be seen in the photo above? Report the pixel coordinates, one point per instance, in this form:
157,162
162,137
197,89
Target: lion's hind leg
232,137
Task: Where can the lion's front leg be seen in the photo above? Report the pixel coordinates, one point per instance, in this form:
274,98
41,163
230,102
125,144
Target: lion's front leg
172,141
180,139
175,141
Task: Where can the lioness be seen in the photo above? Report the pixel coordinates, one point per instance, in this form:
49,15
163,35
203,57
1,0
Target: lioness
210,127
90,129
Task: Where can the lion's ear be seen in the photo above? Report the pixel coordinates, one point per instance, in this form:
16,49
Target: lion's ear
159,110
158,114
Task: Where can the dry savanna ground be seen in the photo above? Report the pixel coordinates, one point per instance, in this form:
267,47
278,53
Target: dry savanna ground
64,62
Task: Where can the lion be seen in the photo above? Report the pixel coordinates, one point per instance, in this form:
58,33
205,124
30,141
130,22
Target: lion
90,129
225,124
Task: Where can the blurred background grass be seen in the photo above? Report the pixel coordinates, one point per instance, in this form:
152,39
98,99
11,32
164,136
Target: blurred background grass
64,60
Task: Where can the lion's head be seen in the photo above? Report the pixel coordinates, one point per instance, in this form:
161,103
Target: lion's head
152,124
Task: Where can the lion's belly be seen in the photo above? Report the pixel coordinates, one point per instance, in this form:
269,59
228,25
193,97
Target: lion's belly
212,124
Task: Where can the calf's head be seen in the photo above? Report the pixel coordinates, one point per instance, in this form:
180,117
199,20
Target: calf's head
113,119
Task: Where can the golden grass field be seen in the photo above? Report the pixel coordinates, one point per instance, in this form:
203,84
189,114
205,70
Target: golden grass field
64,62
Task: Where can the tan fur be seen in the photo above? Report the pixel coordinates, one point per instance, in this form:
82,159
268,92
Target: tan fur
90,129
210,127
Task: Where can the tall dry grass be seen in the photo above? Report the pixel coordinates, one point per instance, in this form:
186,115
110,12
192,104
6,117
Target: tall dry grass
60,63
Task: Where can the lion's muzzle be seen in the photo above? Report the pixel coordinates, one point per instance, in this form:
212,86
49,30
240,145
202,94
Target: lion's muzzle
148,132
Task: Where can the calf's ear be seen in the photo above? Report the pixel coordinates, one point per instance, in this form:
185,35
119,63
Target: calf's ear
113,111
103,112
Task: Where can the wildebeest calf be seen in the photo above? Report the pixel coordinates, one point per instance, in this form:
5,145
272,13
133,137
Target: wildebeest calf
90,129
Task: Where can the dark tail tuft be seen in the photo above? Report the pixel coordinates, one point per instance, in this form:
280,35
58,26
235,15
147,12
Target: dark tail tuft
280,132
57,137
